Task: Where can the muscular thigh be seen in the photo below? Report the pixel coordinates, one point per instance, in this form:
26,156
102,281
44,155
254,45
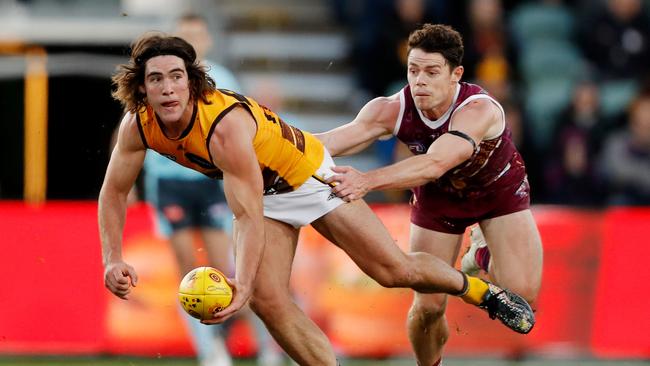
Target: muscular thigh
516,249
443,245
358,231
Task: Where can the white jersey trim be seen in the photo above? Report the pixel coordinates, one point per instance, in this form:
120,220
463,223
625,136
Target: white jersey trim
402,107
484,96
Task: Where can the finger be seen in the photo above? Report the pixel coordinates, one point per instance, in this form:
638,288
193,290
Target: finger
223,315
218,318
337,189
122,294
332,180
133,276
122,287
335,179
340,169
211,321
120,278
231,283
343,192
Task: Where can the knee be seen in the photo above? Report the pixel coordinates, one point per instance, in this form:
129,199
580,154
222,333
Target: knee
527,290
428,309
262,306
269,304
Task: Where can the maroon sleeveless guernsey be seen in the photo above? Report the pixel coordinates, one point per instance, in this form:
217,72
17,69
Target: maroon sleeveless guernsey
496,161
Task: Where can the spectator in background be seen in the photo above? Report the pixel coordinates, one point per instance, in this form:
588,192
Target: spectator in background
380,29
616,38
486,45
571,172
523,139
189,203
625,161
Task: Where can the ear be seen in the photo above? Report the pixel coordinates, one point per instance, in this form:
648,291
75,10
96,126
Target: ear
457,74
141,89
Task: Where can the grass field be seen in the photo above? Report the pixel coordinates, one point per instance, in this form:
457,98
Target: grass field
125,361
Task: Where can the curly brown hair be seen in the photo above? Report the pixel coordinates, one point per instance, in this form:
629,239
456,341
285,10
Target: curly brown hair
130,76
439,38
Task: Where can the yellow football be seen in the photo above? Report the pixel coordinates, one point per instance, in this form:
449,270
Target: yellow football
204,291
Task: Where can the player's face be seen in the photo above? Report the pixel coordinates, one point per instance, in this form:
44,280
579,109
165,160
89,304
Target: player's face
167,87
432,82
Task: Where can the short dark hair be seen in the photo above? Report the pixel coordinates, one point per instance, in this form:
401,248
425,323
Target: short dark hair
439,38
130,76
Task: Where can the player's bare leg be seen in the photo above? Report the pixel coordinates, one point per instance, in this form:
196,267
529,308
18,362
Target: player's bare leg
209,343
272,301
357,230
426,323
218,245
182,243
516,253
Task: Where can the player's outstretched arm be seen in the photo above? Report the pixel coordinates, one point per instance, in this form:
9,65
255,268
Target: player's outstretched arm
123,168
476,120
376,119
231,147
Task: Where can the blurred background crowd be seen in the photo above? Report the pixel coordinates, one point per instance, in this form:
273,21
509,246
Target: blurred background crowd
571,75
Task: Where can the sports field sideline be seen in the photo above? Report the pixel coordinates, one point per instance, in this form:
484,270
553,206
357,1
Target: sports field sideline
126,361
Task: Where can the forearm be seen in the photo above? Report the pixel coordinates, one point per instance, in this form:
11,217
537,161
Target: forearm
250,244
412,172
112,213
343,141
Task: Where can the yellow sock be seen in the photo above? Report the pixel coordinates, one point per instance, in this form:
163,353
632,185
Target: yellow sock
476,289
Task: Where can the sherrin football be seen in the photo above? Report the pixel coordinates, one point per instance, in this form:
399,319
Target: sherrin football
204,291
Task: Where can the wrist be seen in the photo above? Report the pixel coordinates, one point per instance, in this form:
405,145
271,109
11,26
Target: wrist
372,180
108,261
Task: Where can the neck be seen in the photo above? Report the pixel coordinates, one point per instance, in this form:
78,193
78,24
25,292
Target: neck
174,130
439,110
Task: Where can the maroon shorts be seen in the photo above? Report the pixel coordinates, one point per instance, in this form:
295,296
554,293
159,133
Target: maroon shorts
436,210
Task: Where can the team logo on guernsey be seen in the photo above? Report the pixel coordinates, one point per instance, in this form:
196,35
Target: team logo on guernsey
417,148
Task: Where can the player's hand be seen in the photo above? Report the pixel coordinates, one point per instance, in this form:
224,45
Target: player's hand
119,277
349,184
240,296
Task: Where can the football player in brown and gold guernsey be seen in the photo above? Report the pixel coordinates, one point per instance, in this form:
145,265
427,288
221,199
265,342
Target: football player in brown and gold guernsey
274,180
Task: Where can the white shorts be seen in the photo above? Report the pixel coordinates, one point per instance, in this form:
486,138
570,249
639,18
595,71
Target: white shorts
311,200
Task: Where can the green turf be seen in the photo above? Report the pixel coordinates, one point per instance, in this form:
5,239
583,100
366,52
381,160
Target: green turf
127,361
